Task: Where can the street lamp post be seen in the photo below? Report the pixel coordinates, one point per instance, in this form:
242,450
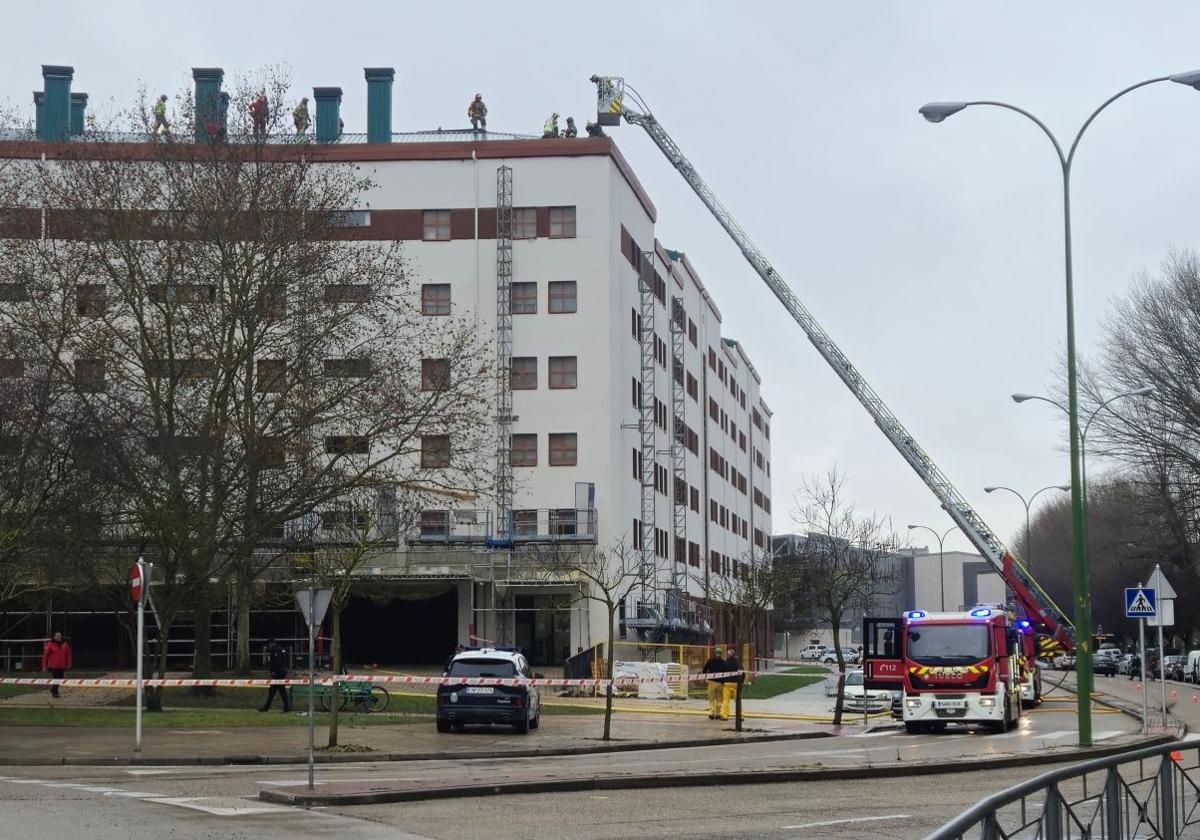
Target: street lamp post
936,112
941,538
1028,504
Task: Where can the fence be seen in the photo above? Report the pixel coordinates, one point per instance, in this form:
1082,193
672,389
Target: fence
1147,794
691,657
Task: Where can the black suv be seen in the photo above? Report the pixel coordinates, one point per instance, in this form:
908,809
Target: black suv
517,705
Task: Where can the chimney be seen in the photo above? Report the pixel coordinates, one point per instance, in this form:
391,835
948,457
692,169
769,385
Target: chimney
208,99
56,121
329,106
223,111
379,103
78,110
39,105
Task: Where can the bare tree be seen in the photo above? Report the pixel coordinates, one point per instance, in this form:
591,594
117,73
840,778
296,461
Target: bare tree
748,594
607,577
844,563
243,353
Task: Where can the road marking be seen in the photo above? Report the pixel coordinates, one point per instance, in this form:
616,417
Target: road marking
854,820
144,771
229,806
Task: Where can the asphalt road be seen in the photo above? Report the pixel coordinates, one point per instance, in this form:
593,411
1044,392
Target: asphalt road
107,803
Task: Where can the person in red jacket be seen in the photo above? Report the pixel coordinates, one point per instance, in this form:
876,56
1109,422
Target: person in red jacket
56,658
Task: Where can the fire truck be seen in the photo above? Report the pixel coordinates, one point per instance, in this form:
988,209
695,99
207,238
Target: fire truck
973,667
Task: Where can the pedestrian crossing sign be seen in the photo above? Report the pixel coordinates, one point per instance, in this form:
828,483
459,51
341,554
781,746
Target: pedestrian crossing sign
1140,602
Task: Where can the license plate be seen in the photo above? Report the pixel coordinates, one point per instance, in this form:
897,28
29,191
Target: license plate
949,704
480,689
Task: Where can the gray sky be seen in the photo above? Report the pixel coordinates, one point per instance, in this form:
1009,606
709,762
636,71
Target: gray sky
932,254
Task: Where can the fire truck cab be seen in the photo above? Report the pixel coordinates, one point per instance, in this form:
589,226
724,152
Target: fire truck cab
961,667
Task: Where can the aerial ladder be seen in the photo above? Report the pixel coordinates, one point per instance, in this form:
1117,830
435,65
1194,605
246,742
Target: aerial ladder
617,100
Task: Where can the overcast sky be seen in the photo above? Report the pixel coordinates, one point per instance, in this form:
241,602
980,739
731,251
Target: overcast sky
932,254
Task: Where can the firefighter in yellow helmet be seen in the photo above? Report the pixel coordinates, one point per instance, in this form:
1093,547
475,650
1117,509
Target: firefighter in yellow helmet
161,126
714,665
550,128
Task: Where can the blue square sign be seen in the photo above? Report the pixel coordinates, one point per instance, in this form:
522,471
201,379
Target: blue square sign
1140,602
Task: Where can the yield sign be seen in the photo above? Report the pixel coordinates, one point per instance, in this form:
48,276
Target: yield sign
313,603
1140,602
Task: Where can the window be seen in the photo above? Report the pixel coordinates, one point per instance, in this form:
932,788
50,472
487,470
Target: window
637,535
435,299
181,368
523,376
680,550
561,298
635,324
767,430
523,452
758,537
12,368
435,374
14,292
692,332
91,300
348,368
660,352
563,373
435,451
562,522
660,414
524,223
715,560
350,218
637,465
694,499
437,225
435,523
694,554
712,358
563,449
693,388
742,441
714,411
756,418
636,390
347,445
182,293
89,375
562,222
523,300
347,293
713,510
525,523
271,375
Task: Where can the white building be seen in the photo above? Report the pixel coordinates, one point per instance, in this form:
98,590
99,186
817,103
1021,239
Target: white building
583,228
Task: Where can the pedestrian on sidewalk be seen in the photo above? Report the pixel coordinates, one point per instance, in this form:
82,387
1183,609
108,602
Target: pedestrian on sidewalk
1135,667
279,662
714,665
729,688
56,658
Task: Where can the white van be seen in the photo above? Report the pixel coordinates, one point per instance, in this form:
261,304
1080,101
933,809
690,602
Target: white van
1191,668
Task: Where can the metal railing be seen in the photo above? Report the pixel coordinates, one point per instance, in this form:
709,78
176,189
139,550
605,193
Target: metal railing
1139,795
185,135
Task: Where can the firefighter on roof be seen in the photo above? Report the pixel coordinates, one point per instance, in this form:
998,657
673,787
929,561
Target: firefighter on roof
477,113
300,117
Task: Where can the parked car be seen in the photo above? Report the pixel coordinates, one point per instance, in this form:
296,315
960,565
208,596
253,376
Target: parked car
1125,663
1105,662
517,705
814,651
849,656
1173,667
856,697
1065,662
1191,670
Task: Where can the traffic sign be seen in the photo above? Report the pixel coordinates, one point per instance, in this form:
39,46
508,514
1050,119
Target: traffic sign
1140,602
313,603
1159,583
137,582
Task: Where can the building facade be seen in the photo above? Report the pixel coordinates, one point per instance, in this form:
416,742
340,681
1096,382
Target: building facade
632,424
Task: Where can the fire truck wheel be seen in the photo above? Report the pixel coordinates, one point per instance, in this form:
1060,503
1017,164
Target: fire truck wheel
914,728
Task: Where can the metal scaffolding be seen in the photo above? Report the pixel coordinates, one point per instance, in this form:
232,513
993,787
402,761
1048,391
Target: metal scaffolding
504,477
647,339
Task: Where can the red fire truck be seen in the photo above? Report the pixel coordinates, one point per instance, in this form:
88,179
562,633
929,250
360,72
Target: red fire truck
962,667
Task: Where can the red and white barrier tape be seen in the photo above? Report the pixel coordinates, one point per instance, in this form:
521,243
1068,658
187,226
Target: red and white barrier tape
391,679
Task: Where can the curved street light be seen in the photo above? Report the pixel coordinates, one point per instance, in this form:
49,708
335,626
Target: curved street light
1028,503
936,112
941,538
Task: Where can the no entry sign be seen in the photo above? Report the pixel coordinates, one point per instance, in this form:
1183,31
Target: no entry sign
137,582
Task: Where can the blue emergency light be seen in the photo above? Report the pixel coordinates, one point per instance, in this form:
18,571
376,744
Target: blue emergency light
913,615
1024,624
982,612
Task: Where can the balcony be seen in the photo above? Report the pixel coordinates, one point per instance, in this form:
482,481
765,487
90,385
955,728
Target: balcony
478,527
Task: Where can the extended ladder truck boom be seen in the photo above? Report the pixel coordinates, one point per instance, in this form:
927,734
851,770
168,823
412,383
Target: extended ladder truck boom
613,96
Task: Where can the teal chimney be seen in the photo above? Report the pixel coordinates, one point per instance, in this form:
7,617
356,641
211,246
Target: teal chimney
78,110
329,106
379,103
56,122
39,108
208,99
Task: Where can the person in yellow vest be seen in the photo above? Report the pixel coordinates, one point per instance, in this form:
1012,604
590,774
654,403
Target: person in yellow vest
300,117
730,684
550,128
714,665
161,126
